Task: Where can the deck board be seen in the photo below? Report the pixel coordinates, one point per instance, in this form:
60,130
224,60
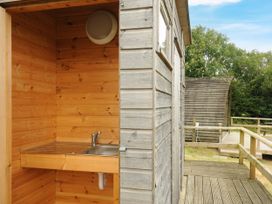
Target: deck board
226,198
207,191
242,192
233,192
217,182
189,198
198,198
250,191
216,191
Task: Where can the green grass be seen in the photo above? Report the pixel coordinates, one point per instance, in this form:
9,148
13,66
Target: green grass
204,154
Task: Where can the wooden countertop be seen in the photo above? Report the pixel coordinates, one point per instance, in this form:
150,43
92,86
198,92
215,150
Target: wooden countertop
68,156
59,148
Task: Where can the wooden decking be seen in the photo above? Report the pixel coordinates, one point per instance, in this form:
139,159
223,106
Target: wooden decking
221,183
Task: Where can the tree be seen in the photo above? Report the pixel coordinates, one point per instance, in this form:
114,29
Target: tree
212,55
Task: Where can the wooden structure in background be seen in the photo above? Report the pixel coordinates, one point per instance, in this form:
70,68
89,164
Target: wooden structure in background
207,103
63,87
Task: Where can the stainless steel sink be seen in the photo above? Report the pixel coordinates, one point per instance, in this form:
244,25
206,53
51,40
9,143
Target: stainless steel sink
104,150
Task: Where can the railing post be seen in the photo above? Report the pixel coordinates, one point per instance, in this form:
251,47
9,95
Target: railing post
231,121
253,153
258,132
194,131
242,141
259,126
220,132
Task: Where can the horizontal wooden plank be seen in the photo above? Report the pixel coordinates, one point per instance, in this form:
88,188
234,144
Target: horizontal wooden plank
163,84
137,139
162,68
88,121
136,119
135,19
136,79
54,5
136,4
136,179
136,99
71,162
136,159
162,131
211,145
163,100
136,59
135,196
135,39
163,115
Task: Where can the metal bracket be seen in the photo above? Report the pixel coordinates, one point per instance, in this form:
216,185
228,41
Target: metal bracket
122,149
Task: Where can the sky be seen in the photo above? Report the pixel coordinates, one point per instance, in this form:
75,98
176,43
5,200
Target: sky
247,23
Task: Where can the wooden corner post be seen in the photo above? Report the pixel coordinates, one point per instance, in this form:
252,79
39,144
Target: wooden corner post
5,107
242,141
253,153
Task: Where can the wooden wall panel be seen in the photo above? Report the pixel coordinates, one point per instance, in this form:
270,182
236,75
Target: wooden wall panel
136,101
87,100
213,94
33,103
82,187
168,135
87,81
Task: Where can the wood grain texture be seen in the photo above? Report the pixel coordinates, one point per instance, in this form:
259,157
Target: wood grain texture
64,162
87,101
82,187
33,102
168,135
207,102
136,101
87,81
42,6
5,106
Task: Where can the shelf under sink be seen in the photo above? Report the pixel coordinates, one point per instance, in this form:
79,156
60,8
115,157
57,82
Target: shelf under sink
73,157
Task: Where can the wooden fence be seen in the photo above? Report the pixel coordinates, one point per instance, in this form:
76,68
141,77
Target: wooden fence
259,124
243,152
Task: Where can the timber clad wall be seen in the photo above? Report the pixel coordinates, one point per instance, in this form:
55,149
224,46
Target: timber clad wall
136,98
146,106
87,99
207,101
167,139
64,88
87,80
33,102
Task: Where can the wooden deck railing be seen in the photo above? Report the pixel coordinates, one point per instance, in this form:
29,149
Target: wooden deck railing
243,152
258,123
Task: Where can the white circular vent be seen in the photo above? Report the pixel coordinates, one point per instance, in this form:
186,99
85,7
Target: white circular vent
101,27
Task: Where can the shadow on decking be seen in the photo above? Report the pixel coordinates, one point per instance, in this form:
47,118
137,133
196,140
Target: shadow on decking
221,182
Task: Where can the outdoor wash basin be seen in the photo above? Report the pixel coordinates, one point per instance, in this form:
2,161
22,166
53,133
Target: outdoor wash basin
103,150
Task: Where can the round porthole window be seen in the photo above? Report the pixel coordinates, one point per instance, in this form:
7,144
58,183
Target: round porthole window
101,27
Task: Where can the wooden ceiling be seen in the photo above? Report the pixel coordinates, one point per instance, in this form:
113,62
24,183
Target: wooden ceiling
21,6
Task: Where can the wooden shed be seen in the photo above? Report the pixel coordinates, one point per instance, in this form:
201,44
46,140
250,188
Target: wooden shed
87,117
207,103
